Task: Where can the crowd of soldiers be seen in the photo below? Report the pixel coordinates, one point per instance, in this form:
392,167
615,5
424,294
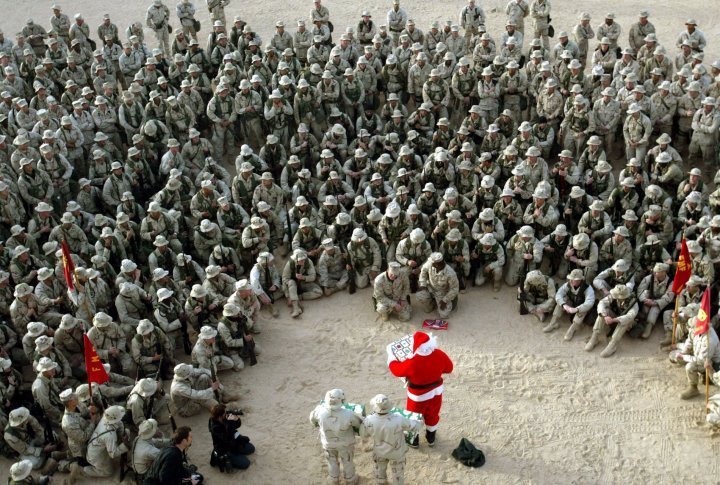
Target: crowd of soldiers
413,162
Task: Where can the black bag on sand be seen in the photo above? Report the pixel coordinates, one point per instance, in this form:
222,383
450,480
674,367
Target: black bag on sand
468,455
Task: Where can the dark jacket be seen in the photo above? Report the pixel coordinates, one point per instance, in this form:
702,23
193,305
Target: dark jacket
169,468
223,436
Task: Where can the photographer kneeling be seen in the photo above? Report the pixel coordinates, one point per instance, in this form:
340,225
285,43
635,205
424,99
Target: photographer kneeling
229,446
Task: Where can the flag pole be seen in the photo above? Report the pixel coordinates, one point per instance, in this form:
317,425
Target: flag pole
87,310
683,275
707,372
675,317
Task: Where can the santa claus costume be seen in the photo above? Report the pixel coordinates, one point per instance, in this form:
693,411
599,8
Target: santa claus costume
423,371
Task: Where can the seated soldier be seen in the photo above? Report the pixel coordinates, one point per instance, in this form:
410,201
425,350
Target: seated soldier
537,295
26,437
619,274
490,259
331,268
619,309
575,298
192,390
299,281
524,253
582,254
438,286
654,295
554,246
391,292
365,257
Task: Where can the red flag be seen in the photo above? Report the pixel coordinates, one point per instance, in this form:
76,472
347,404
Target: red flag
684,269
68,266
93,364
702,322
69,272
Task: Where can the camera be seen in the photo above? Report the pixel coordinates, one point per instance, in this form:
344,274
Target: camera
235,412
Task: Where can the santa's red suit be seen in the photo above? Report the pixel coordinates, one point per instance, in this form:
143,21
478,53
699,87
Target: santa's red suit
423,372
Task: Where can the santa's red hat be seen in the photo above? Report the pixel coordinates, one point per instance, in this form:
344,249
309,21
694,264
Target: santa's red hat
418,339
423,344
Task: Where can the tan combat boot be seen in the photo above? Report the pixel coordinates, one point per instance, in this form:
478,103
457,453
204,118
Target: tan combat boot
647,330
571,332
690,392
296,309
75,474
550,326
667,340
610,349
593,341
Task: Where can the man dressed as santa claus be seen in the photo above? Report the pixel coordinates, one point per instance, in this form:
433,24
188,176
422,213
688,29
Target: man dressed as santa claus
423,372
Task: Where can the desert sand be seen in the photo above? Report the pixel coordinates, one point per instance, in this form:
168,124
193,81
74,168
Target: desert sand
542,410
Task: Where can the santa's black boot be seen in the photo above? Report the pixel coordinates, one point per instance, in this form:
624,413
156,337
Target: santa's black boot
416,442
430,437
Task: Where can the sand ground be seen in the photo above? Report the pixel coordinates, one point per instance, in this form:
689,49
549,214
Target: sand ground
542,410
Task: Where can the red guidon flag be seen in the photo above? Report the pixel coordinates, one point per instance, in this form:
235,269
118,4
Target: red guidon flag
702,322
69,271
684,269
93,364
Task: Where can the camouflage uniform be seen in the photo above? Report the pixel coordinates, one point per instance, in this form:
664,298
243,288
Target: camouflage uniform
332,274
104,446
306,289
539,295
660,292
705,133
516,249
205,355
365,259
106,338
78,429
637,130
625,310
221,111
580,298
437,287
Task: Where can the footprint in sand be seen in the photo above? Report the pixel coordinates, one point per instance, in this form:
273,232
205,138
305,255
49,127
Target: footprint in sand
306,384
282,386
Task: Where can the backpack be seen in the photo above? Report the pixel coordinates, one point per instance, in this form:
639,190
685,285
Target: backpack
152,476
467,454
